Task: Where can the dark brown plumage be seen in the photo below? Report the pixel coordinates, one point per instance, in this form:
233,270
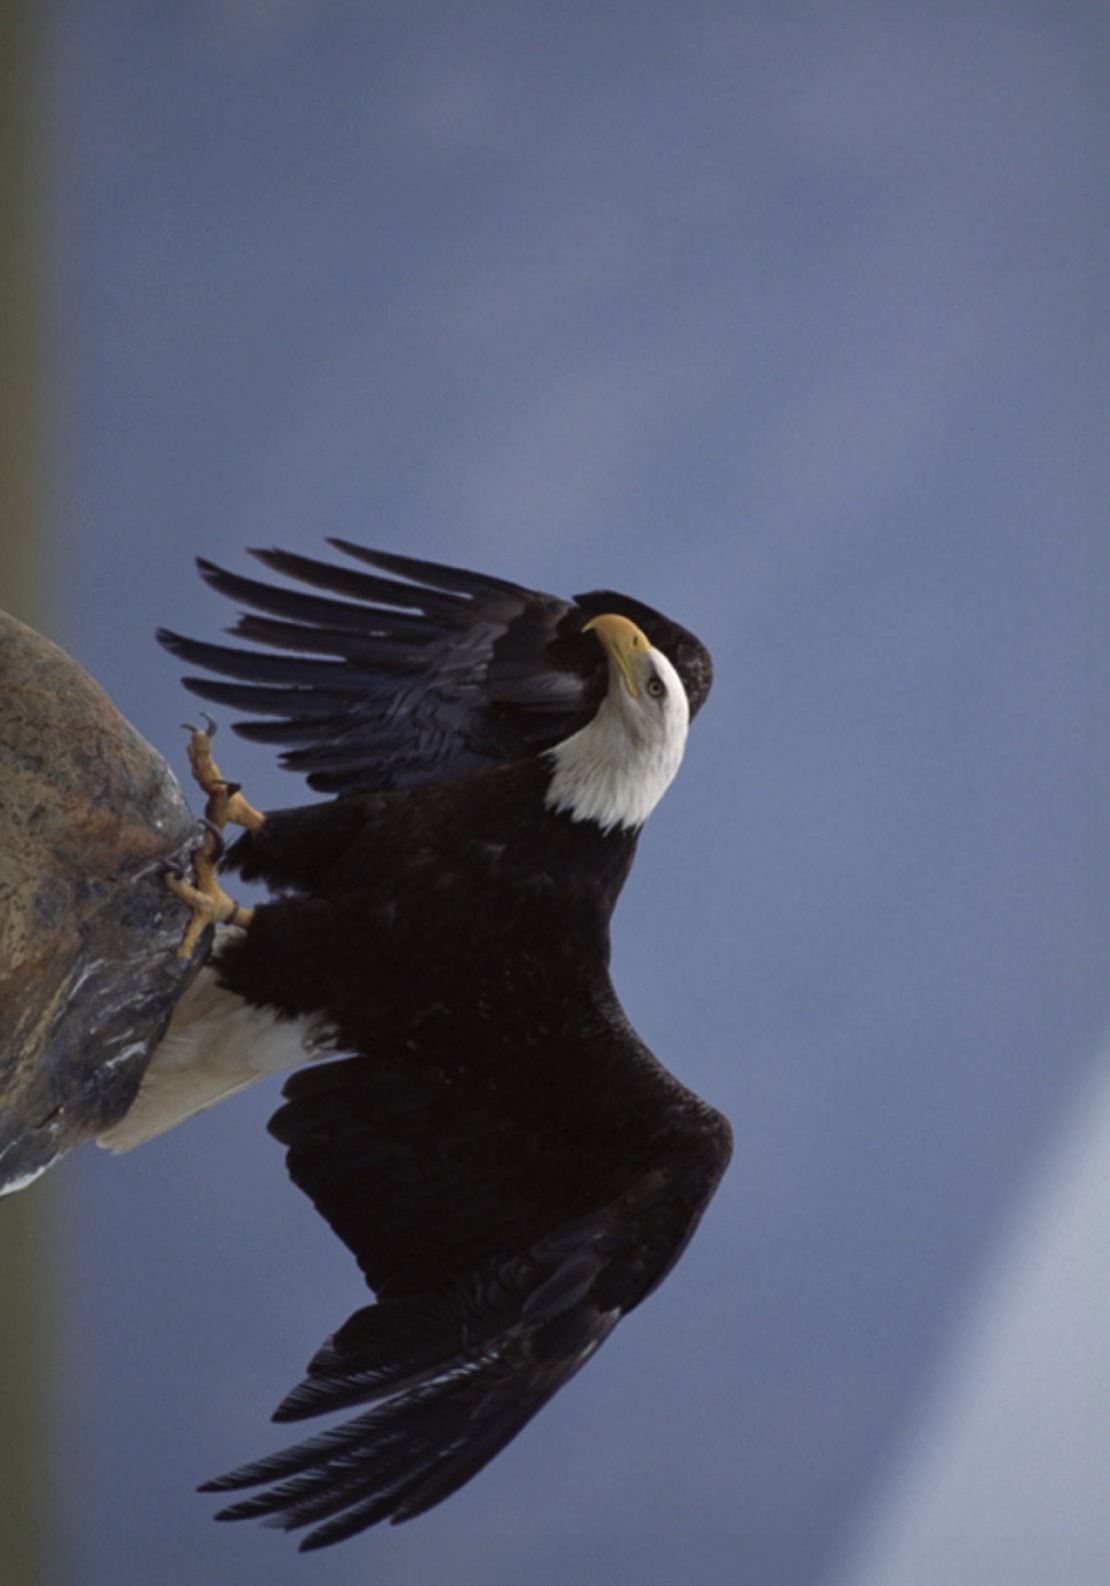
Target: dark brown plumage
386,684
509,1164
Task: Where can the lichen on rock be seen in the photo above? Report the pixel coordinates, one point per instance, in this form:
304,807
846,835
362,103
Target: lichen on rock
90,818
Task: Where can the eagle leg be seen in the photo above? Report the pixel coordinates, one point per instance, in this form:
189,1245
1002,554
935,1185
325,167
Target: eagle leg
225,801
207,899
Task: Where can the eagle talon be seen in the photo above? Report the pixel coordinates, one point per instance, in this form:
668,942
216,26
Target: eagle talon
225,801
207,899
201,905
209,902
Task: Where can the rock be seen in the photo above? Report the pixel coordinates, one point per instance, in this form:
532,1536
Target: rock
90,817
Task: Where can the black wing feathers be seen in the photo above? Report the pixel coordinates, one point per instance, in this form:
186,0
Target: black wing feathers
502,1252
381,683
399,1460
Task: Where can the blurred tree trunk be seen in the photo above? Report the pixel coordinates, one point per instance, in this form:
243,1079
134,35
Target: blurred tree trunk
25,1404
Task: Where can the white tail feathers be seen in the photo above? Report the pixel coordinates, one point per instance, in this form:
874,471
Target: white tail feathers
215,1044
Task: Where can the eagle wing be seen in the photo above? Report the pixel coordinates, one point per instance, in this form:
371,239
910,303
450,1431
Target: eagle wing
389,681
505,1229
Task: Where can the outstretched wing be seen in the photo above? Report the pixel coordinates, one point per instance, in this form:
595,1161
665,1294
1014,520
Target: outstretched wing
389,681
505,1230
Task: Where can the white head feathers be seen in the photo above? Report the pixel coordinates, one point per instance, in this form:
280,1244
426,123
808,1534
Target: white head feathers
616,769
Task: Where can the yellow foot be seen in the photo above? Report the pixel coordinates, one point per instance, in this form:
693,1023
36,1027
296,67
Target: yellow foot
207,899
225,802
209,902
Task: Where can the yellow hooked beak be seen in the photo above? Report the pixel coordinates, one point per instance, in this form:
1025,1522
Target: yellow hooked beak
624,644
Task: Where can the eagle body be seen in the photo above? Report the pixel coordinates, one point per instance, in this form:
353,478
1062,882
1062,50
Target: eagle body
446,997
511,1166
456,896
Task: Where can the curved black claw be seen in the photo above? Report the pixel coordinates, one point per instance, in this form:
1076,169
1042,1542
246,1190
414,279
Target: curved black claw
210,725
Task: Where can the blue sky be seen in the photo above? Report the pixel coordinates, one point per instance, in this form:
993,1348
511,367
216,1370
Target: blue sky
779,318
1003,1476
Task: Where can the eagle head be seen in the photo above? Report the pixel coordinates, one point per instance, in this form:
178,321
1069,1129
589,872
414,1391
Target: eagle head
615,770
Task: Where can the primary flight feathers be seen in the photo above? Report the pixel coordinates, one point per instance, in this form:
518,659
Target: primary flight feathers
395,683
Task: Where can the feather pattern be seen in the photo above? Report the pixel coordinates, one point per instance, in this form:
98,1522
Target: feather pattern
475,1343
390,681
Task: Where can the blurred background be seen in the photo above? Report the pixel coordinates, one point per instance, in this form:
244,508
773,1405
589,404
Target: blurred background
791,321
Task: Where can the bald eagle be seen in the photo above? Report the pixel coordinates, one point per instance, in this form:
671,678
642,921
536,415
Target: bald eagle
509,1164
